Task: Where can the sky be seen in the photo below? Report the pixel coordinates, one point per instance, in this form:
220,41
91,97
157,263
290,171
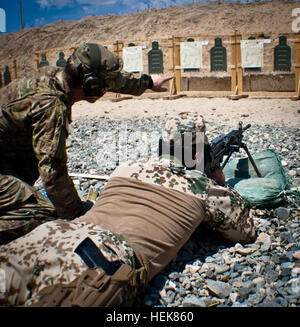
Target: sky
42,12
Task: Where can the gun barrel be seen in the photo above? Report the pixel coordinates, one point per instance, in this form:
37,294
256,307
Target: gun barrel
246,127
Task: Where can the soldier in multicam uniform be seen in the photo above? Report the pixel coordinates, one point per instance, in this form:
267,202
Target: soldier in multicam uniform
34,118
145,214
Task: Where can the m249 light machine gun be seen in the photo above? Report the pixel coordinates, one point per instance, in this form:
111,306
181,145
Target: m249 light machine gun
227,145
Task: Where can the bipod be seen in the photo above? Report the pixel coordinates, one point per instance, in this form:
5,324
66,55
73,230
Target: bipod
244,146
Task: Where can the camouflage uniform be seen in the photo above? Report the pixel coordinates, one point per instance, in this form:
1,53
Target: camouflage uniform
46,257
154,207
184,123
34,123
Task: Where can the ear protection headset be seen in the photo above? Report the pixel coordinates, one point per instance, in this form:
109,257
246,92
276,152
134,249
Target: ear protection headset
93,85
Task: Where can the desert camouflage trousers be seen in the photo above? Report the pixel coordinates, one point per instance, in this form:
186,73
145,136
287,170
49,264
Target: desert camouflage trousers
48,256
22,208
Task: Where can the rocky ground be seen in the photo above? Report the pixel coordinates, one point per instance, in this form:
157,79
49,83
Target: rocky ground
208,270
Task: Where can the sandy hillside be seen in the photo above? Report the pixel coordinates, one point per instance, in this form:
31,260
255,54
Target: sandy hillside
207,18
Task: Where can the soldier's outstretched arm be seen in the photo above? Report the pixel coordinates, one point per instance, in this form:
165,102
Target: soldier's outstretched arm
129,83
159,81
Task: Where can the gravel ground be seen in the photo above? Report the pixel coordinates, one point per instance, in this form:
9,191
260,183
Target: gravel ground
208,270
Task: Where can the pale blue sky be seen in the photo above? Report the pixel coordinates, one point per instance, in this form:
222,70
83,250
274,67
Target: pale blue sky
41,12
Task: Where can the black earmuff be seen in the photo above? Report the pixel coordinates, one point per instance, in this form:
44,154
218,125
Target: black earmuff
93,86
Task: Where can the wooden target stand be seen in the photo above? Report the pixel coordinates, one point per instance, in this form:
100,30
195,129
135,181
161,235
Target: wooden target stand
297,67
175,92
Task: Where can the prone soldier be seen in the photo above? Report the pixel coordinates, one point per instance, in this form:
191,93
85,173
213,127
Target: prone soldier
145,214
34,118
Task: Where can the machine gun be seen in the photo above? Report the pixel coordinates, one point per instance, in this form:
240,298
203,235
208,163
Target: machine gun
227,145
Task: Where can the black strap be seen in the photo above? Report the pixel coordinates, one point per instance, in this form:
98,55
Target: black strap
93,257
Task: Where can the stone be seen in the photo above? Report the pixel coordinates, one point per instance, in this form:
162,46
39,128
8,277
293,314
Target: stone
244,293
258,280
296,255
244,251
239,305
192,269
271,276
193,301
227,258
174,275
282,213
171,285
220,269
265,241
233,297
272,304
218,288
209,259
255,298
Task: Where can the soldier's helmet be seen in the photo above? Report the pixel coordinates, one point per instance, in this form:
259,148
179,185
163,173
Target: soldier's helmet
97,58
98,65
185,123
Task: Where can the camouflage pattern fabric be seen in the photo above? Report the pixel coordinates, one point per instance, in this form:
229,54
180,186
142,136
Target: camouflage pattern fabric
33,132
110,69
184,123
158,209
225,210
34,123
22,208
46,257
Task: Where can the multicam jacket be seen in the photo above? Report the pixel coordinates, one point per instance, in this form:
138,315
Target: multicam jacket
34,119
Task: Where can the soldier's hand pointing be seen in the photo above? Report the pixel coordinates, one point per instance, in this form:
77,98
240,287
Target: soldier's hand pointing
158,81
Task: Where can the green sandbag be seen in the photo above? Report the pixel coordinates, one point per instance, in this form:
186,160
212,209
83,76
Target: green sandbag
260,192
